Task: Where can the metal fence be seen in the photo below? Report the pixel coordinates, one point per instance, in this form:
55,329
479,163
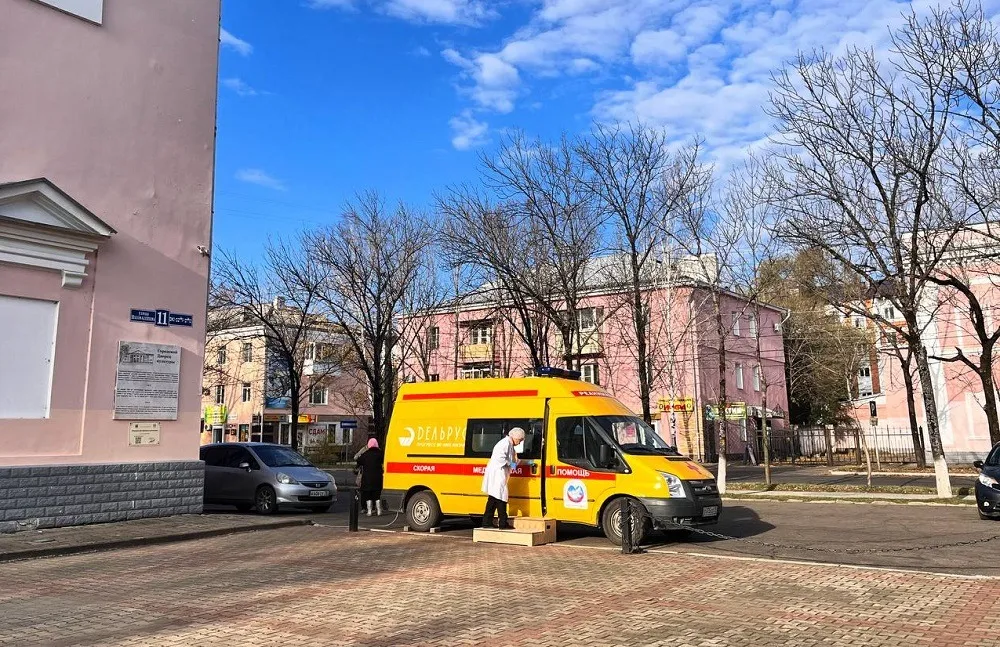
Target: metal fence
840,446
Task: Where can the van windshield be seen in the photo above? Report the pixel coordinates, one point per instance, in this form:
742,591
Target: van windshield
634,436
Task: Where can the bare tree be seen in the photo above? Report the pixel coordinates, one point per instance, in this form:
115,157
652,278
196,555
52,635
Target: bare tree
281,295
372,260
638,186
865,178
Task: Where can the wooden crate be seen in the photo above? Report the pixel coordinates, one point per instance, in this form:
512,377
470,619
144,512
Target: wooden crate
512,537
537,524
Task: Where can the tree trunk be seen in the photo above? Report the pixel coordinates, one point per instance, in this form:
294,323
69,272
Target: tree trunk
989,392
766,440
911,408
295,419
931,413
721,330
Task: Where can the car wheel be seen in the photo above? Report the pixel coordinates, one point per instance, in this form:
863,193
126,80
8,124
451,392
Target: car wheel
611,521
266,501
244,507
423,511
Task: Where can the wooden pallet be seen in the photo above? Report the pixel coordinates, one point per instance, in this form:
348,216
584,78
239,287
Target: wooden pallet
528,531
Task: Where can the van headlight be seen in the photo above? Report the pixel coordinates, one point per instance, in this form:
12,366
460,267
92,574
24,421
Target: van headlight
988,481
285,479
674,486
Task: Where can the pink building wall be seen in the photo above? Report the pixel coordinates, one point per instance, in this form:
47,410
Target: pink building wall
684,343
958,390
121,117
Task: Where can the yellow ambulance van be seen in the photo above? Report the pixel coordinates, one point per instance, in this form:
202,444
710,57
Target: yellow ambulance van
584,452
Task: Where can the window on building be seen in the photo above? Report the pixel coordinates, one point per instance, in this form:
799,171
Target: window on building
738,371
475,373
736,324
433,338
247,392
589,373
317,395
244,434
889,313
434,377
586,319
858,322
220,356
247,352
220,394
865,372
320,351
483,433
757,378
480,335
752,321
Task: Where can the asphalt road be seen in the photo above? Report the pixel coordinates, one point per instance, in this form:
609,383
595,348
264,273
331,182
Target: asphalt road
816,474
862,534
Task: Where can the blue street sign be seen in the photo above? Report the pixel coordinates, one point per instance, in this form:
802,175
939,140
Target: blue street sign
161,318
348,424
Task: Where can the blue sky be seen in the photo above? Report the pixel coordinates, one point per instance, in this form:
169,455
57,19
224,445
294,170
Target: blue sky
319,99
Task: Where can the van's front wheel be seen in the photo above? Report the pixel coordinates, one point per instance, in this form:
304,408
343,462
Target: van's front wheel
611,522
423,511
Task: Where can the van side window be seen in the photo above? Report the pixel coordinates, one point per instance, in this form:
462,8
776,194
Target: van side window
994,458
481,434
578,442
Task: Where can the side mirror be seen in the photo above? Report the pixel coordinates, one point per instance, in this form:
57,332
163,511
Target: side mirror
245,466
604,456
978,465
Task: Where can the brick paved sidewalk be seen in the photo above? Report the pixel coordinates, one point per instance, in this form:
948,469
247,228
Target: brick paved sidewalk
104,536
323,587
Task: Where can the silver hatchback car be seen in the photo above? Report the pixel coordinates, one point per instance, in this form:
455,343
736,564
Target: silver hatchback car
266,477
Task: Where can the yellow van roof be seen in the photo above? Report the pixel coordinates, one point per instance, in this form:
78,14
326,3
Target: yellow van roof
543,387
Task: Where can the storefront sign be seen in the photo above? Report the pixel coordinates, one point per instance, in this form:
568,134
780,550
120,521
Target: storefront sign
678,405
143,433
146,386
734,411
304,419
216,414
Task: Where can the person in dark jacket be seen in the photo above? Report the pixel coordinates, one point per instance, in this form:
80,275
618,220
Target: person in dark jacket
370,465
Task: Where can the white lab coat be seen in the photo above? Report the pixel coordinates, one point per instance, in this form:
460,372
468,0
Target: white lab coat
498,469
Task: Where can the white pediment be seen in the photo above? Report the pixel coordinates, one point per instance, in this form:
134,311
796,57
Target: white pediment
42,226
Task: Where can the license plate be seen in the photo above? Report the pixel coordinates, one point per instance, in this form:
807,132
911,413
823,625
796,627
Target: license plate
710,511
319,493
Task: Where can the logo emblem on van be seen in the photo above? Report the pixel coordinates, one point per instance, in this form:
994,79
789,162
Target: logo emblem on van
406,441
575,495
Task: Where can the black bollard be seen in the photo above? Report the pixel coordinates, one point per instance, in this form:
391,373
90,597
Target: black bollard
626,526
355,505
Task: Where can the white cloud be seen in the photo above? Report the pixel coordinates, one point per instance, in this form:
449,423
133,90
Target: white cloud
460,12
239,46
421,51
260,178
240,87
495,81
692,67
467,132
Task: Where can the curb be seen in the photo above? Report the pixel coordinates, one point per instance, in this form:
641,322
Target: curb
914,474
803,497
132,542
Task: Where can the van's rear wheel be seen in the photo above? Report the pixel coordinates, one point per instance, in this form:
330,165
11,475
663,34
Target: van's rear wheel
423,511
611,522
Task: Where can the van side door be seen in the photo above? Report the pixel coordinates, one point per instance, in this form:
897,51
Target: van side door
581,468
525,484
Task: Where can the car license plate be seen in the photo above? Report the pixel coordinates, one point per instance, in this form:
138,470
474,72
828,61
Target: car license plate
319,493
710,511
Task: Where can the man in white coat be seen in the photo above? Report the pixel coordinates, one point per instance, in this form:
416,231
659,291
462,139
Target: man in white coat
495,478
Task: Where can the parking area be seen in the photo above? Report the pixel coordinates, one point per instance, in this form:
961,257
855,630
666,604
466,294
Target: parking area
862,534
323,586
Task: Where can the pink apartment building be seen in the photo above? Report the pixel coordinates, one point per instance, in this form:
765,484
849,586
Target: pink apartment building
107,138
958,390
476,340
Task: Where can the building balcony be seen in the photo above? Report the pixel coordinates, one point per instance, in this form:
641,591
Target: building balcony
311,367
475,352
591,345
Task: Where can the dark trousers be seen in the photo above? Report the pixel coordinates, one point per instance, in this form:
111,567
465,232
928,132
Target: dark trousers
494,504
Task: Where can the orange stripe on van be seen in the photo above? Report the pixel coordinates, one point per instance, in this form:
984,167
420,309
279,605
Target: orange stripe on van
470,394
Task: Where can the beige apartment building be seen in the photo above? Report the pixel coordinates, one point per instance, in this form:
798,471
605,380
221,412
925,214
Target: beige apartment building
245,394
